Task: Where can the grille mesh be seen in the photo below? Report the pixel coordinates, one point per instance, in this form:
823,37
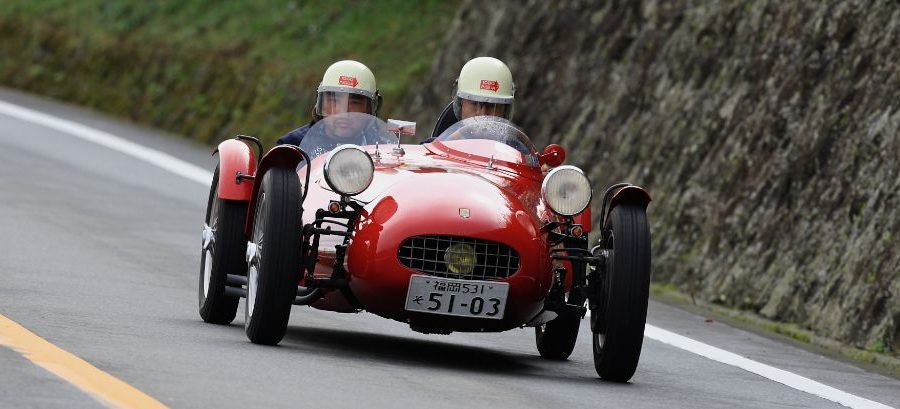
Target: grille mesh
426,254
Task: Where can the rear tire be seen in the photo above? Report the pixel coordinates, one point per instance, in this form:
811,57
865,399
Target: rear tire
273,271
224,247
556,339
618,322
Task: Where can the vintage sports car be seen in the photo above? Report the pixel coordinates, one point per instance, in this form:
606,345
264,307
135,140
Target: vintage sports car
474,231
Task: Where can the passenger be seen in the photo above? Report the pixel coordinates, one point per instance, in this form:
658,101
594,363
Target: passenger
347,86
484,87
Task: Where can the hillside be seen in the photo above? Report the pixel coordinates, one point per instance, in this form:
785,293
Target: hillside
766,131
209,70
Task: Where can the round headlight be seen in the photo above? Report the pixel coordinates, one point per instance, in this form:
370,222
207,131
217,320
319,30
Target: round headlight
566,190
460,258
349,170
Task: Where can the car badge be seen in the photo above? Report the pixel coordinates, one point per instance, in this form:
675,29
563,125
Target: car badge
463,212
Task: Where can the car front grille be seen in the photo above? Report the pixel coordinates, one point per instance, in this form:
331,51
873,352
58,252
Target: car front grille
426,254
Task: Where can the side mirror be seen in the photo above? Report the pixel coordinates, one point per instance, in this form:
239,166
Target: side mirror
401,127
553,156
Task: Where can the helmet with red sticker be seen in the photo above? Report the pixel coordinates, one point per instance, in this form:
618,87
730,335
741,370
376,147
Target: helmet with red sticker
347,86
484,87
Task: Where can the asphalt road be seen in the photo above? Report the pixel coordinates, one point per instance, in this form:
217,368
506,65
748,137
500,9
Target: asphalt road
100,256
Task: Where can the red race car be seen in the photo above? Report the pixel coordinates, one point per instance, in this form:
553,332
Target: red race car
469,232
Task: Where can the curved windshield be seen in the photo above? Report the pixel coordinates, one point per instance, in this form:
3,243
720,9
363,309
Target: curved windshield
490,137
351,127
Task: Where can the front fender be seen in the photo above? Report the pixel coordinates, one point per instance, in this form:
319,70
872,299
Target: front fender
235,156
631,195
281,156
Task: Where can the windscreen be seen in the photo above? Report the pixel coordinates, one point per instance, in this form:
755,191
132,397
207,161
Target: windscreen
490,137
352,127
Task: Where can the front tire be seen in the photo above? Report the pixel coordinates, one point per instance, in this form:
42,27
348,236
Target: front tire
621,313
224,246
274,257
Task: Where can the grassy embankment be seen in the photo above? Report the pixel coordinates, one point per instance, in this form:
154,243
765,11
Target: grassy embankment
208,70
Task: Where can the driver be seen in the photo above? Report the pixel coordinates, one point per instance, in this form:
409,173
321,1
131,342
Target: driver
484,87
347,86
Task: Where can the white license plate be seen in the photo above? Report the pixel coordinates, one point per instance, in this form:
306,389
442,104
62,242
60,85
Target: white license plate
464,298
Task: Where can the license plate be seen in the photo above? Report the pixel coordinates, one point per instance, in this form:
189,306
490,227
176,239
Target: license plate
464,298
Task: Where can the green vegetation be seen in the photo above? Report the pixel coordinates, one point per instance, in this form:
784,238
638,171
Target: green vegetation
878,347
209,70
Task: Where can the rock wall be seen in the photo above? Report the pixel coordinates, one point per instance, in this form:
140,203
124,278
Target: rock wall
766,131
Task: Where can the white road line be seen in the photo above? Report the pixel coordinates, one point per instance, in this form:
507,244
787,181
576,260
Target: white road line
200,175
152,156
778,375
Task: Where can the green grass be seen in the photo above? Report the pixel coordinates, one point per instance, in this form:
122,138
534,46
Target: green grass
211,69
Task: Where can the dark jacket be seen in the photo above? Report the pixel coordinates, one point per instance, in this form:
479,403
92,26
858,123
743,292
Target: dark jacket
294,137
445,120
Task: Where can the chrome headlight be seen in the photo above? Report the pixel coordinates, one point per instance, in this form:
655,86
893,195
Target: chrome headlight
567,190
349,170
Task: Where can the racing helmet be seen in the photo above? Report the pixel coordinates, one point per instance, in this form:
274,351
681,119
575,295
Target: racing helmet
347,86
484,87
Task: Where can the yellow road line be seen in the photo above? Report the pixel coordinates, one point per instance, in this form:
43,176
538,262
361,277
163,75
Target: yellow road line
100,385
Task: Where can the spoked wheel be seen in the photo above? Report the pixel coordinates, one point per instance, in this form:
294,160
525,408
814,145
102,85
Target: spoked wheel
556,339
273,257
620,312
224,246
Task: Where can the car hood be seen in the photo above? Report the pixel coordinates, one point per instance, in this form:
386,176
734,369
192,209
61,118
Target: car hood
432,173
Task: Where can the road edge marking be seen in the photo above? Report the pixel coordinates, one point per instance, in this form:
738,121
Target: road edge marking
100,385
152,156
781,376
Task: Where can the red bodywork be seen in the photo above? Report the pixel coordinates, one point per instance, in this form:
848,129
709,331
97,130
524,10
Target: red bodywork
235,156
421,193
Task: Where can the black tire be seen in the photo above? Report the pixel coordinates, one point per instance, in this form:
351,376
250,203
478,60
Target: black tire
276,237
222,255
618,322
556,339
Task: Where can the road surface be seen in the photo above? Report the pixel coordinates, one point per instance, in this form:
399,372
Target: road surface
100,258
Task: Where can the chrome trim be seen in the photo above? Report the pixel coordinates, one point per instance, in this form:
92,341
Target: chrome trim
557,170
334,152
207,272
208,236
252,276
346,90
484,98
425,254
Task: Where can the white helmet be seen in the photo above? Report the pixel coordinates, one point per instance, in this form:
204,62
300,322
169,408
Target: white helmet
484,87
343,80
